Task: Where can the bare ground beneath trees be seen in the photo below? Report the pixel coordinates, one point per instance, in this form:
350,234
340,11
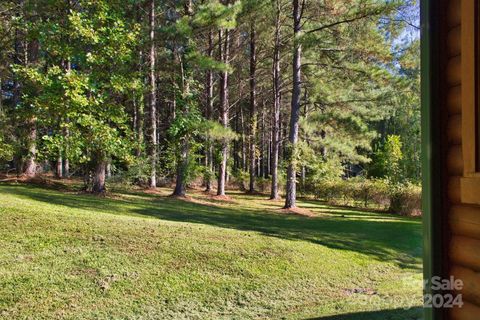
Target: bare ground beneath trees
297,211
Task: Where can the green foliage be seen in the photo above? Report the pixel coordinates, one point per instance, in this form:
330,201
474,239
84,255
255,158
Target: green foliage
241,179
194,170
83,103
216,132
325,170
382,194
87,89
137,173
213,12
405,121
207,174
185,125
388,160
206,63
6,150
264,184
406,199
349,84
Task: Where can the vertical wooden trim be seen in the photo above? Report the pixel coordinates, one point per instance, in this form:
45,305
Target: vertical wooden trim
470,182
468,88
432,80
477,86
426,154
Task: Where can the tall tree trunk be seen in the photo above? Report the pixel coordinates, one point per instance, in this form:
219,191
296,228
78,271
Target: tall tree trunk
30,165
209,88
138,111
153,101
244,143
290,200
26,52
224,44
66,133
99,177
59,162
265,145
59,167
274,194
304,175
182,165
253,106
108,169
235,152
281,133
261,146
182,158
269,152
183,155
66,161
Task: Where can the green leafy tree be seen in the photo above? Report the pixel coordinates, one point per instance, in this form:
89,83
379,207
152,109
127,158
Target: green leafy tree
387,160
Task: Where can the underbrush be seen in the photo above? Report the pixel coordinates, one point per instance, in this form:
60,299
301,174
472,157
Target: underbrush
379,194
382,194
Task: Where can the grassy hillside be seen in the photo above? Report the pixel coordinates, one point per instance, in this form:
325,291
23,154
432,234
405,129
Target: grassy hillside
149,256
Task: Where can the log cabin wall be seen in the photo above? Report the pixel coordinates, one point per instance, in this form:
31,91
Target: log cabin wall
463,228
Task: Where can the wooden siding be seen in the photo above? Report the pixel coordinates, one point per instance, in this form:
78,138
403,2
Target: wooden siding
464,219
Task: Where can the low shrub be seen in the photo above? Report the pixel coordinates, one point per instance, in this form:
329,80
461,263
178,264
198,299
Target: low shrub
406,199
239,179
382,194
263,184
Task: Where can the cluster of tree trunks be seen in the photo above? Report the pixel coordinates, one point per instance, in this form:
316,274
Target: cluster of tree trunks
262,125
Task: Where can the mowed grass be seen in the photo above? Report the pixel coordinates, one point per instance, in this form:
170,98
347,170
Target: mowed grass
149,256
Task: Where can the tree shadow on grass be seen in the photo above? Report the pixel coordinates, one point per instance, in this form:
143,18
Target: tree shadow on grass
397,240
395,314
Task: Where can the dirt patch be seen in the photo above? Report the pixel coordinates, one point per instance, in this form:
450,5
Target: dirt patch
297,211
365,291
86,271
42,180
221,198
106,282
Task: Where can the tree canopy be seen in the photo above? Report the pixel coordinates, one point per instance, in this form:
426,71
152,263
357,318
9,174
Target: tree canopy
201,90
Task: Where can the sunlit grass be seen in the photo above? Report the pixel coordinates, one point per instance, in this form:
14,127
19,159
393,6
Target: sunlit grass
149,256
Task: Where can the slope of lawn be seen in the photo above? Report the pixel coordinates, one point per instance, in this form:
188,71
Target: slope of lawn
149,256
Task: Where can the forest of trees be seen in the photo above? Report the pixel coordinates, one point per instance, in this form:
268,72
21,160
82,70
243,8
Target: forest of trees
284,92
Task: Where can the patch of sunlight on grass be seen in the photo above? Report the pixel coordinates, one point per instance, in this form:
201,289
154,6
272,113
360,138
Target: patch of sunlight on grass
138,255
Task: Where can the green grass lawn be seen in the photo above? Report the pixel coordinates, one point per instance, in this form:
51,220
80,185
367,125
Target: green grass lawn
149,256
